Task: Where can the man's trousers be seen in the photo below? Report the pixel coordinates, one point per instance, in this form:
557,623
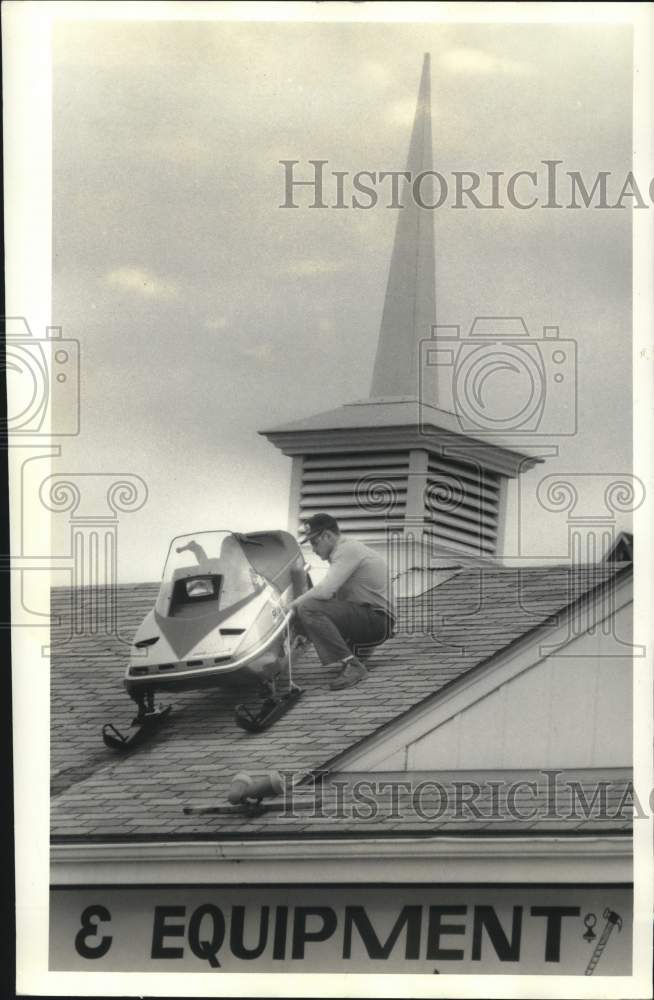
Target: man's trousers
335,627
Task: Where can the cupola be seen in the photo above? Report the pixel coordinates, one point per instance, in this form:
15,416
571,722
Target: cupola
395,468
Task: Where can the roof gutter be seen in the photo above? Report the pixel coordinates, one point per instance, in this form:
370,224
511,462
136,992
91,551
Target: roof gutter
531,859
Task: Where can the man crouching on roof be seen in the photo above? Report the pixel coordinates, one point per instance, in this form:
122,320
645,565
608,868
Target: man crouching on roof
350,606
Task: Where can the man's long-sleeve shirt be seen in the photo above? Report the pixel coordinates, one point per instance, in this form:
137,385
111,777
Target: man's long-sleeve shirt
356,573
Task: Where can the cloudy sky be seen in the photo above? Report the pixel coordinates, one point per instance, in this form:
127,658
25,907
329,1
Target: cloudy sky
205,312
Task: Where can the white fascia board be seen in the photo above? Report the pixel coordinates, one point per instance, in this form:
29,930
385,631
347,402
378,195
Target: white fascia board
316,440
592,859
479,682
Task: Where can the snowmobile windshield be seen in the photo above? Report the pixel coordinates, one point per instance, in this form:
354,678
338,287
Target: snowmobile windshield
204,573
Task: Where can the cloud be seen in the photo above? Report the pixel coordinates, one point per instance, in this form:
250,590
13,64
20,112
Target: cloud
376,73
259,352
217,324
142,282
310,267
477,62
402,113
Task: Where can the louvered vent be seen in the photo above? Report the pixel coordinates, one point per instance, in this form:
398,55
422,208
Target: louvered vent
361,491
462,506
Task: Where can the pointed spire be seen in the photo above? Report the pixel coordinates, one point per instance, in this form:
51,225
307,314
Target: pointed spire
410,304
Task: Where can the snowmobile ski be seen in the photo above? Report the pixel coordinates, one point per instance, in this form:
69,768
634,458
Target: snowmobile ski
272,709
140,730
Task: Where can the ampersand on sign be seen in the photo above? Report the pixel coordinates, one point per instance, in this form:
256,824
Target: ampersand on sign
91,918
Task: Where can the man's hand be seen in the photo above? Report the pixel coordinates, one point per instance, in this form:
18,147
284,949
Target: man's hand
286,604
296,602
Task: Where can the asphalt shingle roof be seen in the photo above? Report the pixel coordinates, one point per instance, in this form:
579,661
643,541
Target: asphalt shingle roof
443,803
96,794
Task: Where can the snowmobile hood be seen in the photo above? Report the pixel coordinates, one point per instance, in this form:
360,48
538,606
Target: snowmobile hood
184,634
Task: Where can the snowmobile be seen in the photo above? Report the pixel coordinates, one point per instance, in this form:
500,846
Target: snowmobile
220,619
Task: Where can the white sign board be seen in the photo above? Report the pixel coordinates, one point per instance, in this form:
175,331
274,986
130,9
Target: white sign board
573,930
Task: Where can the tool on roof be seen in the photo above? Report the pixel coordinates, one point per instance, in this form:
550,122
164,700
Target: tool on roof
248,790
246,808
220,619
253,788
613,919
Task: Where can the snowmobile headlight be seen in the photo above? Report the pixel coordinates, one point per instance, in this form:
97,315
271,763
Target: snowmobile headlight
201,587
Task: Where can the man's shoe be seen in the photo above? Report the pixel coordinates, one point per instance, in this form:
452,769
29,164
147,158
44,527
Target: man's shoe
353,672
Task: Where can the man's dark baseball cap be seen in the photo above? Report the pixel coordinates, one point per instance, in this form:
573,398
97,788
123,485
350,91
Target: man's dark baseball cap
316,524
